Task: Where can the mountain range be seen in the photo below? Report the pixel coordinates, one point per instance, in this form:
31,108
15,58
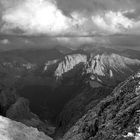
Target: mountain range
84,94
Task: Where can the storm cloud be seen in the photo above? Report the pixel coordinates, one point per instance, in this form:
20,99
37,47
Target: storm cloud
74,17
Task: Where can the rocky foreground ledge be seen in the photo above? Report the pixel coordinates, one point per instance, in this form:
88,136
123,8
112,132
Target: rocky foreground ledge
12,130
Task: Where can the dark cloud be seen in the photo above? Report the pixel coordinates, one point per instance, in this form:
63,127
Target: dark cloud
133,15
94,5
90,6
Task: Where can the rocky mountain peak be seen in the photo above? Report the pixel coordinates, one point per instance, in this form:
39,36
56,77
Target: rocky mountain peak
69,62
111,67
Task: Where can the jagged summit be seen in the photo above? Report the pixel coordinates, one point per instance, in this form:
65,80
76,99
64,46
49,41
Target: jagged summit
106,68
69,62
111,68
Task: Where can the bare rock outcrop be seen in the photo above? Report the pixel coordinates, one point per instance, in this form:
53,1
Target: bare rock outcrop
110,69
69,62
12,130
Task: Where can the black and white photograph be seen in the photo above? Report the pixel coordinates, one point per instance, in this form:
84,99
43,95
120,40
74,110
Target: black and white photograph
69,69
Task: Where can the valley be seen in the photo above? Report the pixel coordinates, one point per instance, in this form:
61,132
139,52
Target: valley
52,90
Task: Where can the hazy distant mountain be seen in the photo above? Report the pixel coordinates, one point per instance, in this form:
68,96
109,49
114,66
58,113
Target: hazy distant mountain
131,53
15,42
38,56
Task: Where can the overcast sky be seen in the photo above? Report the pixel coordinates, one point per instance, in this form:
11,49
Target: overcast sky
72,17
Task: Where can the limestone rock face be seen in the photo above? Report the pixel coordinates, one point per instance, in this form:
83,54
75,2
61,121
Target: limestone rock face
69,62
114,118
12,130
105,68
109,69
